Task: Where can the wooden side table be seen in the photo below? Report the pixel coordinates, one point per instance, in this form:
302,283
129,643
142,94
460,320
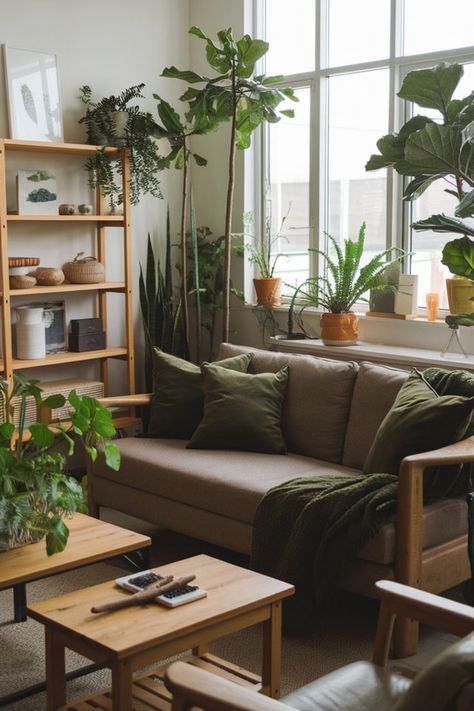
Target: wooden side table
129,639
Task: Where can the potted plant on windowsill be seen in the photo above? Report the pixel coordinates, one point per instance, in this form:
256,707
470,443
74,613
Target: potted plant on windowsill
343,284
262,255
427,150
36,495
112,122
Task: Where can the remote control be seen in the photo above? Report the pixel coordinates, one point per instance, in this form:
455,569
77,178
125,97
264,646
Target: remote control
180,596
137,582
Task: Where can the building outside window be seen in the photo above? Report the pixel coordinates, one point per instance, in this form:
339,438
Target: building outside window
346,61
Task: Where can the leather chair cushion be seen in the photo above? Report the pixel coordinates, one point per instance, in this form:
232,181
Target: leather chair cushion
360,686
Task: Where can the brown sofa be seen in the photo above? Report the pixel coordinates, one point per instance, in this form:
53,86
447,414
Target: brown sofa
331,413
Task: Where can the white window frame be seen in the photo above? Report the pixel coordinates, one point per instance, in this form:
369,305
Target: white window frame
398,232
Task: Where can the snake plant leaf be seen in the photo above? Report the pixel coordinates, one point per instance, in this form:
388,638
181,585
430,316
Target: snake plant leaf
432,88
466,207
458,256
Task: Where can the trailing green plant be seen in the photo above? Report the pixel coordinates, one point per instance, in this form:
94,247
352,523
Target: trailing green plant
36,494
237,95
161,309
343,282
112,122
427,150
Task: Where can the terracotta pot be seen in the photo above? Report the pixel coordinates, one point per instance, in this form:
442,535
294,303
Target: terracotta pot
268,291
339,329
459,291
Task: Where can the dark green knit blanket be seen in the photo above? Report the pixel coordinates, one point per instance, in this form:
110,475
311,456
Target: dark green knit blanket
306,530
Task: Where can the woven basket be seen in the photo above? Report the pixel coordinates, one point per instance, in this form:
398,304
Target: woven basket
49,276
84,272
18,281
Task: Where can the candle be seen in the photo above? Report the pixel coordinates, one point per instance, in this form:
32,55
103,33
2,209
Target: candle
432,306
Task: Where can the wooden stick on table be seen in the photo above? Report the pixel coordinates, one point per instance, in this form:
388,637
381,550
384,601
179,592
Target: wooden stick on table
141,598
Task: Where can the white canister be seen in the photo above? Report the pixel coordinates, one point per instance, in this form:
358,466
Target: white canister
30,333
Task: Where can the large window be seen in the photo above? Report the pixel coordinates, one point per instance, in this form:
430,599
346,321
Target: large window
347,60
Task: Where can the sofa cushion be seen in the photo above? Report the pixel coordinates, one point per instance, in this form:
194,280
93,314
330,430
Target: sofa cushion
419,420
360,686
229,483
176,407
442,521
241,411
317,402
375,390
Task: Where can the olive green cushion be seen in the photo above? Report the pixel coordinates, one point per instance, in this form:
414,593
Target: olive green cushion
241,411
419,420
176,407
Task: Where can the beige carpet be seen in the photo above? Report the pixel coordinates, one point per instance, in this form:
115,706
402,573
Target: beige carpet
345,634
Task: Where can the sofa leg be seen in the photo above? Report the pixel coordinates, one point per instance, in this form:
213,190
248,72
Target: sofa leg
405,637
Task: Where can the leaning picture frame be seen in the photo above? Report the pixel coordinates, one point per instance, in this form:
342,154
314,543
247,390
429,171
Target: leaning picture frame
34,105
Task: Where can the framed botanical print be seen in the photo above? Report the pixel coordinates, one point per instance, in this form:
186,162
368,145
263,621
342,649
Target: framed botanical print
34,105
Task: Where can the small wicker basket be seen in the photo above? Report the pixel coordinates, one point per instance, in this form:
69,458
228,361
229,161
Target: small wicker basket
84,271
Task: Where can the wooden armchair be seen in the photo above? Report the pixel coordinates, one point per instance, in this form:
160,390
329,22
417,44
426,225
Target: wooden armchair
361,686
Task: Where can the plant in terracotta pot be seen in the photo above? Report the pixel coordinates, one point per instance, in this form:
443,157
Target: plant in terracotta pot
343,283
36,494
426,150
262,255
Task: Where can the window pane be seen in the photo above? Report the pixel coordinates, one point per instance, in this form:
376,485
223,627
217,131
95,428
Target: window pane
427,246
288,173
356,196
432,25
291,34
358,31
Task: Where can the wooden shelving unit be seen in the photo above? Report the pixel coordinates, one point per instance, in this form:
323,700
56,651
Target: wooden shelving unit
9,363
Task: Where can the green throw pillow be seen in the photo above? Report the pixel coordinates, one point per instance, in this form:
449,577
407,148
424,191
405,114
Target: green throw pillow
241,411
419,420
176,407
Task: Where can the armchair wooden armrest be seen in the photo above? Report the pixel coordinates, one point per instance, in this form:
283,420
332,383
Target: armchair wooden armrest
193,687
126,400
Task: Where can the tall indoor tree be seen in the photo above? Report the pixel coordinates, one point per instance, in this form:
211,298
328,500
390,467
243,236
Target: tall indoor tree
238,95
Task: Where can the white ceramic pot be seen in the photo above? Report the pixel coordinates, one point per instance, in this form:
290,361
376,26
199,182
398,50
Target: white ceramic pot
30,333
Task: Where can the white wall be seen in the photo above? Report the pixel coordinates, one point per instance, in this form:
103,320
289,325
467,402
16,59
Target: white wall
110,45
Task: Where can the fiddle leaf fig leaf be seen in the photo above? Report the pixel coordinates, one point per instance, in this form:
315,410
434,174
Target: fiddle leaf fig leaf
418,186
458,256
199,160
251,50
434,149
456,320
198,32
432,88
170,118
185,75
466,206
443,223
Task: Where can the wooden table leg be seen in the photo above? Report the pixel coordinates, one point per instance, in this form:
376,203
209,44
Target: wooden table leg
122,680
271,661
55,671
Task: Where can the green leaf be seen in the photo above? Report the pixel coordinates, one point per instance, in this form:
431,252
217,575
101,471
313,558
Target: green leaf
102,423
434,149
180,157
6,432
80,423
170,118
112,456
443,223
57,536
54,401
91,451
198,32
288,112
251,50
432,88
42,435
185,75
466,206
456,320
418,185
458,256
199,160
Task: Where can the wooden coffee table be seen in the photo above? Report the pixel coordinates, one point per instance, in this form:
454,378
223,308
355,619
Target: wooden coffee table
130,639
90,540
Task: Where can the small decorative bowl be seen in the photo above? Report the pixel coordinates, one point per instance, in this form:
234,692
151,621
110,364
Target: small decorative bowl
49,276
67,209
21,281
85,209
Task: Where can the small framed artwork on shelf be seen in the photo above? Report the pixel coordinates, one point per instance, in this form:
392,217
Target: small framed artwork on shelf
37,193
34,105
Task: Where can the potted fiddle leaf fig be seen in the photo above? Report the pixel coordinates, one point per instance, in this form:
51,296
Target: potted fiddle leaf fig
234,94
343,283
428,149
36,494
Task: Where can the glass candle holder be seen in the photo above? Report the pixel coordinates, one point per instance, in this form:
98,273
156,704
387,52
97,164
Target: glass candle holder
432,306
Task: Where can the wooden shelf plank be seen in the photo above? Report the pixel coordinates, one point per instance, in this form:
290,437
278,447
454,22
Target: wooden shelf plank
12,144
66,287
69,357
107,220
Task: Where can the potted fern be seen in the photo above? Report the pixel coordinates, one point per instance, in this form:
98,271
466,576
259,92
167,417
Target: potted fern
36,494
343,283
